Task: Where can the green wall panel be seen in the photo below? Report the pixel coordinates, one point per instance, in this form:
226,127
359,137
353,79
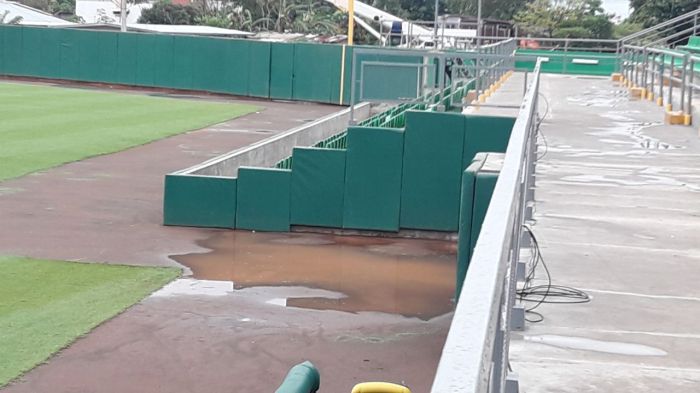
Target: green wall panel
281,71
146,60
312,72
210,66
199,201
12,48
69,53
237,70
386,82
432,170
318,184
107,55
50,54
259,69
263,199
373,178
31,57
607,62
126,58
3,48
183,65
485,133
163,49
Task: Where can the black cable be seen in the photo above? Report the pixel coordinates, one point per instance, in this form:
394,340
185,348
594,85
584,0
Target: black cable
539,129
545,293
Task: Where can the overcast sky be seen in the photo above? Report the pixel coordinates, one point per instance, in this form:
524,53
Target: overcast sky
618,7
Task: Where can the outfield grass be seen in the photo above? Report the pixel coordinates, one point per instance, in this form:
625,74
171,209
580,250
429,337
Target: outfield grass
45,305
45,126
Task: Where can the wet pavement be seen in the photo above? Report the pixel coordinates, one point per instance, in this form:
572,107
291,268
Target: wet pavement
413,278
618,216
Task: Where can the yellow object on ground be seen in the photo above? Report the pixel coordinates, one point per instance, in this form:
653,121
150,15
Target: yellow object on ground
379,387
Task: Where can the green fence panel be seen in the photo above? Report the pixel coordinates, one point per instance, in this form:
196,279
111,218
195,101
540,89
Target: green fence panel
259,69
69,53
200,201
373,179
3,48
146,60
559,62
12,48
164,50
263,199
31,56
184,49
318,184
126,58
107,55
432,170
485,133
477,189
386,81
281,70
87,46
237,67
210,66
313,76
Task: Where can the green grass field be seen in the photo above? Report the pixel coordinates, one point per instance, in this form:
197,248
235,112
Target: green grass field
43,126
45,305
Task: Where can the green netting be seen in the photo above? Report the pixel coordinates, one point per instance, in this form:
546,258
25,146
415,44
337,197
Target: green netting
318,182
199,201
486,133
263,199
432,170
373,178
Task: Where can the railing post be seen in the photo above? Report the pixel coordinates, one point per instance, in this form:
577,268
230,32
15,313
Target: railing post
691,84
566,57
669,103
683,83
662,65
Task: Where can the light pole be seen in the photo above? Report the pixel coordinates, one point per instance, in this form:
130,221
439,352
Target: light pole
478,23
435,26
351,21
122,14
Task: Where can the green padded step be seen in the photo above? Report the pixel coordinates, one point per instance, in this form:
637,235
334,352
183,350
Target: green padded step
373,178
263,199
200,201
318,185
485,133
432,170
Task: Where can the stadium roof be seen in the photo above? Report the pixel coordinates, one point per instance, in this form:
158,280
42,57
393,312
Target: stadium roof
30,16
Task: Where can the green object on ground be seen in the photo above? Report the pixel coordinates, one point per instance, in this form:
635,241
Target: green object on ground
200,201
432,169
373,179
263,199
302,378
318,184
45,305
45,126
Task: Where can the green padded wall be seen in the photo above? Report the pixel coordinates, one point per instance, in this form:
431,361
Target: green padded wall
13,51
199,201
263,199
485,133
281,71
432,170
373,179
318,180
314,72
259,69
607,62
476,191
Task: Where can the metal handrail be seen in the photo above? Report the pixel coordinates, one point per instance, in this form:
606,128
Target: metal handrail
669,22
475,355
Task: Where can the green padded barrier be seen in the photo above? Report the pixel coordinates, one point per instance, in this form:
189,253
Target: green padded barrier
432,170
126,58
318,184
478,182
199,201
313,76
607,62
302,378
259,69
31,57
184,49
237,70
387,82
164,47
373,178
146,60
263,199
485,133
69,53
281,70
209,65
3,48
12,50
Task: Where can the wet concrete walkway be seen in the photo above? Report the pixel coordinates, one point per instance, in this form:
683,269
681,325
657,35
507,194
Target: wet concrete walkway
618,216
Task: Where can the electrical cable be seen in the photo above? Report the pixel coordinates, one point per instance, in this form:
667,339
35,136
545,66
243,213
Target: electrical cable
539,130
545,293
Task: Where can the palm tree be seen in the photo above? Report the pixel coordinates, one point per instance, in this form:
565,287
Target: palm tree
12,21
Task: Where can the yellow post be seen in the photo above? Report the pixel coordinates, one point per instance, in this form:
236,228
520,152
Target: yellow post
342,75
351,21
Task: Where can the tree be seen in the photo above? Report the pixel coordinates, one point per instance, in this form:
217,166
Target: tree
166,13
651,12
566,19
4,20
417,10
497,9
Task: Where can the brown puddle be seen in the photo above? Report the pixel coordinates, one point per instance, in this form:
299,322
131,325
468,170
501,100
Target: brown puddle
410,277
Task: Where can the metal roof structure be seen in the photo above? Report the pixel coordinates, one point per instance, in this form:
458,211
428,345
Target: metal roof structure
30,16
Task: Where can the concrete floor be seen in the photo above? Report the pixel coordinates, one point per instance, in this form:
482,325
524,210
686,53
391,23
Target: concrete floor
618,216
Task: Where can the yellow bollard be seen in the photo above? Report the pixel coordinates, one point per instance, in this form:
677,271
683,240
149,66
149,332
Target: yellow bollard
687,119
659,101
379,387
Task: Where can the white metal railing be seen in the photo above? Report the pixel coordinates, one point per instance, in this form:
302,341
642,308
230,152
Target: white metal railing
475,355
